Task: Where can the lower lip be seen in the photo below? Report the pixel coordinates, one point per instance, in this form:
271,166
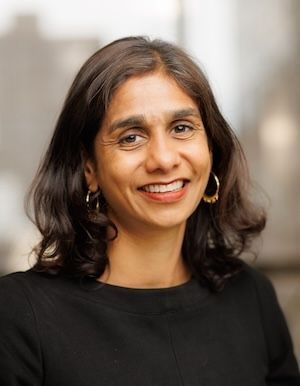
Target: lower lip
166,196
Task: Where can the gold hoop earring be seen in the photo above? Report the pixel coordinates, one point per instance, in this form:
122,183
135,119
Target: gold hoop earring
89,199
212,199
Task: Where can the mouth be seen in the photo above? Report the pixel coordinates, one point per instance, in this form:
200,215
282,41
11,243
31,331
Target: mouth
164,188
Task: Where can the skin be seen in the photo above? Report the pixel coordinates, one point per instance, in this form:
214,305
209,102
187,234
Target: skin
152,133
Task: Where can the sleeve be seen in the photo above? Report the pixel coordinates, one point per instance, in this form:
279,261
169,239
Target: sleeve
20,354
283,367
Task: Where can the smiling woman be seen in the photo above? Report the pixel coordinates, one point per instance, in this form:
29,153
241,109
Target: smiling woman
154,165
142,204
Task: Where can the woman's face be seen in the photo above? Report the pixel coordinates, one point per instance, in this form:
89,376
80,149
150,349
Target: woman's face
152,160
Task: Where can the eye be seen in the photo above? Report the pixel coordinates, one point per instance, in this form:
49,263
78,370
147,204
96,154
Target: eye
130,139
183,129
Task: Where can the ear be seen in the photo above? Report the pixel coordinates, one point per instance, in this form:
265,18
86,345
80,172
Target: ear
91,175
211,158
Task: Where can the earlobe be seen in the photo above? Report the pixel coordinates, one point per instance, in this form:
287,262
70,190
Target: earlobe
90,175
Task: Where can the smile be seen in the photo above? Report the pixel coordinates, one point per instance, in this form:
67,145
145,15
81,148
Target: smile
164,188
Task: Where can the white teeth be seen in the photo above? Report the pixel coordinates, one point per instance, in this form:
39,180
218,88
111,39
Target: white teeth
164,188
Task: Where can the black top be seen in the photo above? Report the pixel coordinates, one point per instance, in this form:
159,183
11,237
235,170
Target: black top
65,332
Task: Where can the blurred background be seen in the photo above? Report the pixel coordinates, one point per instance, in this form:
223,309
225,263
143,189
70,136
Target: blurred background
250,51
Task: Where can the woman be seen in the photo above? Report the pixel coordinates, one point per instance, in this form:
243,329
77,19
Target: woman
142,204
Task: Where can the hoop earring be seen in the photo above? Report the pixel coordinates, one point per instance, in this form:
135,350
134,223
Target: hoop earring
212,199
88,200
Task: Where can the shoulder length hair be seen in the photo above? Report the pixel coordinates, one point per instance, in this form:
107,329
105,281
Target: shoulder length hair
74,239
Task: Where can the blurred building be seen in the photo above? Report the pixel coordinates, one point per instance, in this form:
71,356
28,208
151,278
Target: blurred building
35,74
269,46
270,86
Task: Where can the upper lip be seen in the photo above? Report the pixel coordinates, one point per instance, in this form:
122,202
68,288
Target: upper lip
164,182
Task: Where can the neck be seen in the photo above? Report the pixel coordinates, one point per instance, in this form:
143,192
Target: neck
146,260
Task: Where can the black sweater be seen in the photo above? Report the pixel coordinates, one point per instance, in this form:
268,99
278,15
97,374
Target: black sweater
65,332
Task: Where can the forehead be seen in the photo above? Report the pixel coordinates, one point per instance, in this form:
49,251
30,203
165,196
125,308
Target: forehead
148,94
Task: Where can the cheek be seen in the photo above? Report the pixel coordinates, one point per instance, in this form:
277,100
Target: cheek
200,157
116,172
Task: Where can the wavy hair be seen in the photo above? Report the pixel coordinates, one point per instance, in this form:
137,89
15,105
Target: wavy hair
74,239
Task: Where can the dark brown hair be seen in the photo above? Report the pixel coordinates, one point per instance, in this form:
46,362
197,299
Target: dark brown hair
74,240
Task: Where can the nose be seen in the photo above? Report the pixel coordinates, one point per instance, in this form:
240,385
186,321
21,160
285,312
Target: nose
162,155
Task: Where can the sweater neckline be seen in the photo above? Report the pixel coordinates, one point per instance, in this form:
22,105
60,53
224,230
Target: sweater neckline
146,300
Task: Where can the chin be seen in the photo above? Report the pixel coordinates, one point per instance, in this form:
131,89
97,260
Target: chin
168,222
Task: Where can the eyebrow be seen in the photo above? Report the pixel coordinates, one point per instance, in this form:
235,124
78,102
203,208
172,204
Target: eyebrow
183,113
134,120
137,120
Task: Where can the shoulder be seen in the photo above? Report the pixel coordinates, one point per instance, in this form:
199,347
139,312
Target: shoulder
25,297
256,282
19,337
250,279
250,294
17,285
253,293
282,362
31,282
15,293
12,289
23,293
